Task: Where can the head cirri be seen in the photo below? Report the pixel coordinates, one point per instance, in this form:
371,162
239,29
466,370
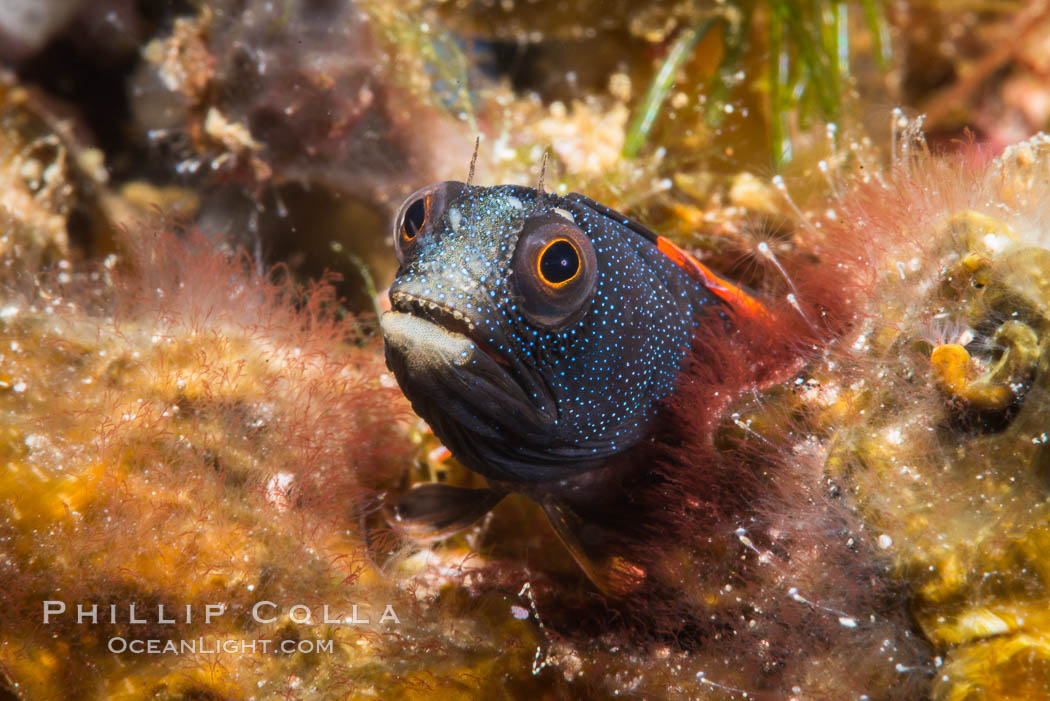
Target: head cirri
536,334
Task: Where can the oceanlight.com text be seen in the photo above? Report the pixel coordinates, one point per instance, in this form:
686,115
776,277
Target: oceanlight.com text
205,646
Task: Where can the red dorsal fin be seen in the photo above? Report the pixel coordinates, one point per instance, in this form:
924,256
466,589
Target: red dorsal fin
733,295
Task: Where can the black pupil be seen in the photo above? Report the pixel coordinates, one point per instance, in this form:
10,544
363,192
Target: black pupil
560,262
415,216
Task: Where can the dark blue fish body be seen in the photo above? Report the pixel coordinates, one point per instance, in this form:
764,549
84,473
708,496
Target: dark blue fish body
536,334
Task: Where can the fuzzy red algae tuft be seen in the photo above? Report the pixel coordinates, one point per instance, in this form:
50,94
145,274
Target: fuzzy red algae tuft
215,440
924,417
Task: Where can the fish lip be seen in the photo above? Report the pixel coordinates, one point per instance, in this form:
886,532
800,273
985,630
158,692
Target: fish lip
447,359
445,317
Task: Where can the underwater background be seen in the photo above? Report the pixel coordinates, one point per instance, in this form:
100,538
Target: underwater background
196,207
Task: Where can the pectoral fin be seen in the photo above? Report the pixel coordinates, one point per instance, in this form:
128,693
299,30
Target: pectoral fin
588,545
434,511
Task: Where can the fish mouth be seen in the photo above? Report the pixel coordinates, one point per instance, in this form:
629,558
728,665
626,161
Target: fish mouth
445,317
494,416
438,353
475,404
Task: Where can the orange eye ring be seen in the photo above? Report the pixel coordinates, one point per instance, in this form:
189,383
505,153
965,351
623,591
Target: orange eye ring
418,215
415,218
541,262
555,269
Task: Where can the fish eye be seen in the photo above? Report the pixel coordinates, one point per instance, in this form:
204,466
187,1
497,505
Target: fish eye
415,218
419,213
554,268
559,262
